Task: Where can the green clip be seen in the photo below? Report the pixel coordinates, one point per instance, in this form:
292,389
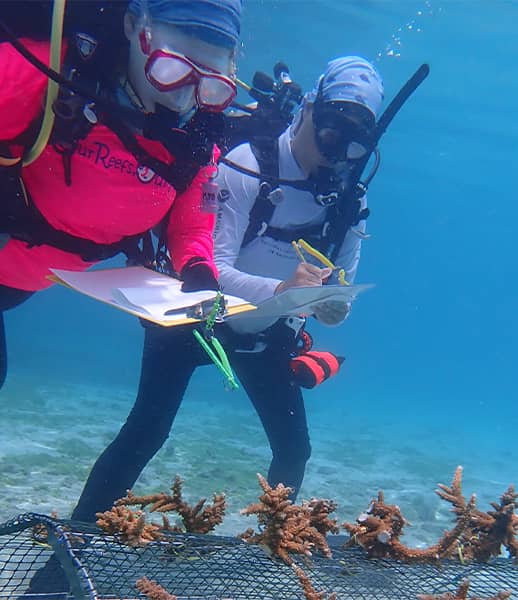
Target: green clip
217,354
215,312
218,357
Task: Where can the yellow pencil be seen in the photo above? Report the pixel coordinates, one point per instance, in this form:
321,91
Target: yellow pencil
298,251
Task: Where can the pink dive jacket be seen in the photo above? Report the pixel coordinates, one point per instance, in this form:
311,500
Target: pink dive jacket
111,196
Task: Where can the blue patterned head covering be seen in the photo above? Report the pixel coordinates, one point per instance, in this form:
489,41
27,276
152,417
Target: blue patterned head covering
351,79
217,21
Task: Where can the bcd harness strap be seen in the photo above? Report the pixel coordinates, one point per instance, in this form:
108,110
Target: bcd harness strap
326,237
21,219
345,211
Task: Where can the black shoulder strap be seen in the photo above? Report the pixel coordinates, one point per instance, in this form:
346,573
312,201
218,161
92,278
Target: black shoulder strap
266,152
21,219
341,217
27,224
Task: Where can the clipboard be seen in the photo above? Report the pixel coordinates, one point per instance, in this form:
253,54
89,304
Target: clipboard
147,294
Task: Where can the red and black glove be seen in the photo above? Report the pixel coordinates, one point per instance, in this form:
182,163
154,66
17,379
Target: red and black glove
197,275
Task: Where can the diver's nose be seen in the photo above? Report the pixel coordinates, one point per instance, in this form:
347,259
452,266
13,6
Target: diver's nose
183,99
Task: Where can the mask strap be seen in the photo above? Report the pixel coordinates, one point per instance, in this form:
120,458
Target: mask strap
145,36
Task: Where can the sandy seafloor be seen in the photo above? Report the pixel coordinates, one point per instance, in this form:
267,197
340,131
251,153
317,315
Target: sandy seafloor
50,439
431,381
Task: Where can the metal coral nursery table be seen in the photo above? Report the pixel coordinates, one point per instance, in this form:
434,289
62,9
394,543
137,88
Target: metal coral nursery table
42,558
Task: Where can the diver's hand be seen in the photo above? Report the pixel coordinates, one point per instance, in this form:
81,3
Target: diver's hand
331,312
305,275
197,275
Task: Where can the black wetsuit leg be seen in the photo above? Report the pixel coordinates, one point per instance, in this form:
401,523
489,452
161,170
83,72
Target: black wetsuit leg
170,356
9,298
279,403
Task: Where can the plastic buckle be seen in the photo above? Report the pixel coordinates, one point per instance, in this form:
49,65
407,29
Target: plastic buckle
327,200
203,309
295,324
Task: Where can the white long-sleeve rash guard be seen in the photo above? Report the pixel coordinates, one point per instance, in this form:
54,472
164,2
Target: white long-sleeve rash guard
253,272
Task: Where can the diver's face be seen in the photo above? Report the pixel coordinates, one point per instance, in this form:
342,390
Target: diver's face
342,130
175,82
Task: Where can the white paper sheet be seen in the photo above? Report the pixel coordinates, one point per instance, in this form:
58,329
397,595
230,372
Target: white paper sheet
142,292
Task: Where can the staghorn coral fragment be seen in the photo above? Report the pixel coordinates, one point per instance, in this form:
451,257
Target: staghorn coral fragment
476,535
307,587
485,532
287,527
379,528
462,594
319,515
291,529
196,519
453,493
40,532
202,519
153,590
129,526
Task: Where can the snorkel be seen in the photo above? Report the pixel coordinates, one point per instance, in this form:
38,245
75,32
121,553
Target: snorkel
381,126
339,188
354,186
359,166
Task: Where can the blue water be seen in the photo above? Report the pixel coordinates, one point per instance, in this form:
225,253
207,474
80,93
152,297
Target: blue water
430,376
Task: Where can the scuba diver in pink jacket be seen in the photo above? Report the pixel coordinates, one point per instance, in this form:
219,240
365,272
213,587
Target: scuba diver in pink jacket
131,147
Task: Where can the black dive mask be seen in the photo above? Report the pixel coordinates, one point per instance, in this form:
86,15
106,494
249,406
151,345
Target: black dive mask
343,130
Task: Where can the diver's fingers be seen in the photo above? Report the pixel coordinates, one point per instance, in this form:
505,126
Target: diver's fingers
314,271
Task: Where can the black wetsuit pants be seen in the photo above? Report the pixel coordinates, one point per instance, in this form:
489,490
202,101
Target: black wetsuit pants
170,357
9,298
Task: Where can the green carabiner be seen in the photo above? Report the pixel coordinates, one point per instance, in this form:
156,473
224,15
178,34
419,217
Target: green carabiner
217,354
218,357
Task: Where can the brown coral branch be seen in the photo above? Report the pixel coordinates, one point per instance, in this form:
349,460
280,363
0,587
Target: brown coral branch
40,532
153,590
453,494
196,519
289,528
462,594
380,527
130,526
309,591
320,509
476,535
485,532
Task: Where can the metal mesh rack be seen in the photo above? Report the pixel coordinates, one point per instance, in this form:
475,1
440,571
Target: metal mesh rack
42,558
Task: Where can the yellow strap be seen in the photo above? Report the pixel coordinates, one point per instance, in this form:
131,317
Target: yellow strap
341,277
56,39
242,84
298,251
314,252
9,162
319,256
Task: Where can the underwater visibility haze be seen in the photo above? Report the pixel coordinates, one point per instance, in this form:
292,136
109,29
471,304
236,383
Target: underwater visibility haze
429,380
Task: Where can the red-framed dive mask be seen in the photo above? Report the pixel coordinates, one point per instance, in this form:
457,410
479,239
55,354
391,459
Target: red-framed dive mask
167,70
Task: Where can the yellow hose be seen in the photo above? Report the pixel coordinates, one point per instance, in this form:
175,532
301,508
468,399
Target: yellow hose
56,39
242,84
